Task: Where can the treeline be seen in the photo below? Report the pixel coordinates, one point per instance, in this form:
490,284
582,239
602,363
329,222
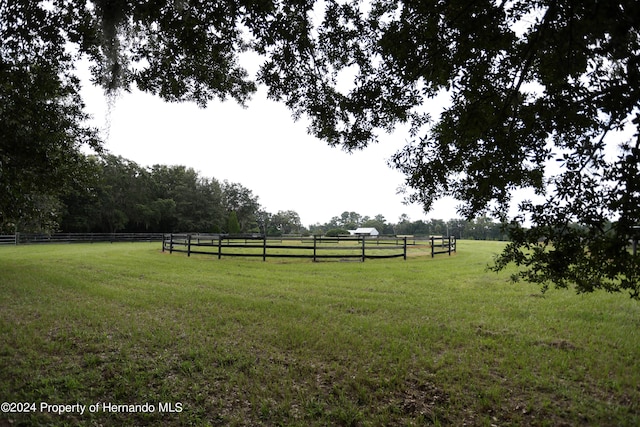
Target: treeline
118,195
483,228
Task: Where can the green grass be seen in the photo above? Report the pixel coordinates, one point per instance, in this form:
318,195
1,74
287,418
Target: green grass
289,342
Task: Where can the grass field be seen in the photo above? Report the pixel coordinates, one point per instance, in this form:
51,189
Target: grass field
239,341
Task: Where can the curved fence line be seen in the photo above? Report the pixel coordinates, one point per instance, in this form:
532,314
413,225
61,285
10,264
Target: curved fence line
442,245
315,248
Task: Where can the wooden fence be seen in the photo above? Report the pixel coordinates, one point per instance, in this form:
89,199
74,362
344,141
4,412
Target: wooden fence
8,239
256,245
23,238
315,248
442,245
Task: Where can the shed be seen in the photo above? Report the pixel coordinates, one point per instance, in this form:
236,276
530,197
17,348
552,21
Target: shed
364,231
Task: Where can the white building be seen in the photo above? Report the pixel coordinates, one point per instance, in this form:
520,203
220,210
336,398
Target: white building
364,231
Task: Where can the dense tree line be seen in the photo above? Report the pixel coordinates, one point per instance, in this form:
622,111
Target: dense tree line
118,195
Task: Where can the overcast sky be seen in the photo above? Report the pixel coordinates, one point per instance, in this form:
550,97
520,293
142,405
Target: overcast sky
262,148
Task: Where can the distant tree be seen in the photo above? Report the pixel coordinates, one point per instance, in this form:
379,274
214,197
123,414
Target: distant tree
437,227
458,228
334,222
379,223
239,199
207,208
335,232
233,226
117,192
403,228
349,220
403,218
198,201
286,222
80,205
404,225
318,229
44,216
263,219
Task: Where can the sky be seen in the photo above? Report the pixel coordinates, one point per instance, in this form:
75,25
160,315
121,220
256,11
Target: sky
262,148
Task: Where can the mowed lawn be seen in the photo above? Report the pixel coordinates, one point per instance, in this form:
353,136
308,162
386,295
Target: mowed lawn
202,341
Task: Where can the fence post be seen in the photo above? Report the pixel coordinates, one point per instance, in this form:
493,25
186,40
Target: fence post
404,249
449,245
314,247
171,243
432,243
363,248
219,246
162,242
188,245
264,247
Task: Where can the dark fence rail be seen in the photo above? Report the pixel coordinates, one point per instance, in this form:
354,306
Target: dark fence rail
255,245
442,245
314,247
25,238
7,239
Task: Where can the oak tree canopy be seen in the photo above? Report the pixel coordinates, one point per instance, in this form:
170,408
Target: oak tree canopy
528,84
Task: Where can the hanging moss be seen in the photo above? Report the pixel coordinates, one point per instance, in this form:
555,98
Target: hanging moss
112,15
